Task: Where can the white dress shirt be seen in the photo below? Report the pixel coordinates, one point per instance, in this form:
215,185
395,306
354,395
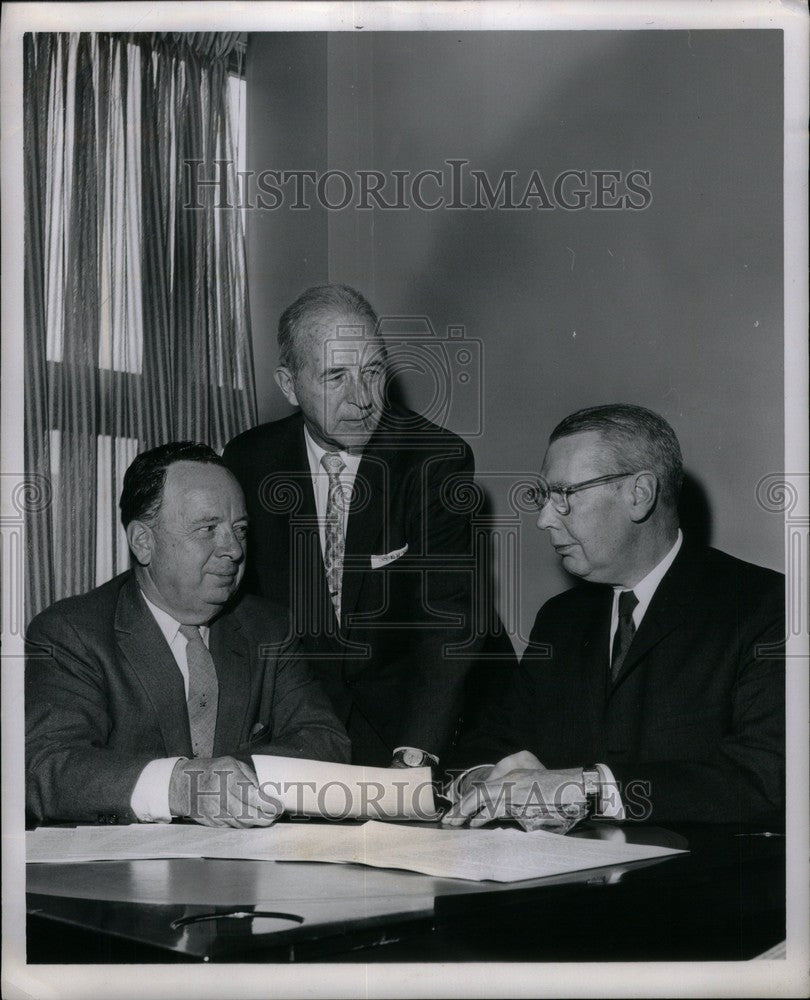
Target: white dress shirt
150,796
644,591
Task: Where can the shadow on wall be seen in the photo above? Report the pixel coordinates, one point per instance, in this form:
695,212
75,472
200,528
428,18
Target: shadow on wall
695,511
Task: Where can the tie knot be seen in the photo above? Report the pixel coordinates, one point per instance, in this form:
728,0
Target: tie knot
627,603
191,632
333,463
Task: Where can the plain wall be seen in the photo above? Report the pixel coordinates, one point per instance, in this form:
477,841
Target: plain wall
286,249
677,307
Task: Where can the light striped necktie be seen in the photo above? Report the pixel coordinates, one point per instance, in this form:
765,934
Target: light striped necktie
335,546
203,692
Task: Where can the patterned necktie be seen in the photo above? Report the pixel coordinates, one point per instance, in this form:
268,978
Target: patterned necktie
333,533
203,692
625,631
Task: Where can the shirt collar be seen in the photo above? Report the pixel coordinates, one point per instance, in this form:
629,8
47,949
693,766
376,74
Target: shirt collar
168,625
645,588
315,453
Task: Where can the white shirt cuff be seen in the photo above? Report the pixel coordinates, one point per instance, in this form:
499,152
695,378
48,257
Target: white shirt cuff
610,799
150,796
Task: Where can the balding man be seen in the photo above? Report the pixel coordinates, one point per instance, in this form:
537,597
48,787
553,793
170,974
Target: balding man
355,527
146,697
656,690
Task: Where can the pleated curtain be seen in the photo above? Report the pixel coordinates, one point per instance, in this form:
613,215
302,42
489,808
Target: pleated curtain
136,310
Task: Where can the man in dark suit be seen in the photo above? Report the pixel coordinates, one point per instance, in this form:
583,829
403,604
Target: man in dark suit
655,691
360,524
146,697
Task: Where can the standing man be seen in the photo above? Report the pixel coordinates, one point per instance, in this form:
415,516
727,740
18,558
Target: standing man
355,528
655,691
146,697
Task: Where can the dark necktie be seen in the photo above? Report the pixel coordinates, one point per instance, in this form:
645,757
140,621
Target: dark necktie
203,692
625,631
335,546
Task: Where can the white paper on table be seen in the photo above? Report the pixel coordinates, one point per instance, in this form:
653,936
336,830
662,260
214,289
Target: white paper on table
113,843
478,855
504,855
346,791
152,841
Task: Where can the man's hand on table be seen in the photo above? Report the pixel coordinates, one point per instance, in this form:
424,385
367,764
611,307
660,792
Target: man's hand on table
520,787
220,791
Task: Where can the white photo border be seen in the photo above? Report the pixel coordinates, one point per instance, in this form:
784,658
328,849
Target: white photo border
779,977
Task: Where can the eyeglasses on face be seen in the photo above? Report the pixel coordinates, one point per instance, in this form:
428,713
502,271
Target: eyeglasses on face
558,494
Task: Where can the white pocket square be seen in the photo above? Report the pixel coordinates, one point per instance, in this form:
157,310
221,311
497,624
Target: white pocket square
377,561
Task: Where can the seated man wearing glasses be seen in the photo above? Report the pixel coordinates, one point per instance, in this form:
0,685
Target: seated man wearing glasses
656,690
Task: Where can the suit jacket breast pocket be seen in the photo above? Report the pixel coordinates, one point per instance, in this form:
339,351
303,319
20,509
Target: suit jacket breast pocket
379,586
383,560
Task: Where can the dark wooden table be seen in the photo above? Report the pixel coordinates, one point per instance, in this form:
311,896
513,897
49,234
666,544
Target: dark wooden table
723,900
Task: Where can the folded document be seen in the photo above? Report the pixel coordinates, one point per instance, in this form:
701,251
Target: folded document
345,791
497,855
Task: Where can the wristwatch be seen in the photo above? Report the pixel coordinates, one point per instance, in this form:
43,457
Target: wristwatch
414,758
592,782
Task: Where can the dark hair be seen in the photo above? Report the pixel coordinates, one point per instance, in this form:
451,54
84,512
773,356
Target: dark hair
640,439
318,299
144,479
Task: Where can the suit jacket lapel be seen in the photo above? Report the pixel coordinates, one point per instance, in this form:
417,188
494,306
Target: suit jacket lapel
295,479
230,652
668,609
309,595
144,648
367,529
596,649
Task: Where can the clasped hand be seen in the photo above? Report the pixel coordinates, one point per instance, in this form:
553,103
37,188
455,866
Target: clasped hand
220,791
520,787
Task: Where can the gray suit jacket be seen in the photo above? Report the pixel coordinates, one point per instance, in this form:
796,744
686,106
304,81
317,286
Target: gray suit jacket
104,696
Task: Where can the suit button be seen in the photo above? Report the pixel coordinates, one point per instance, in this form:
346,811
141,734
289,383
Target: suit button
113,817
101,818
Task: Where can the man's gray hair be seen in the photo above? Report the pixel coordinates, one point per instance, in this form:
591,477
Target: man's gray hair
299,316
640,439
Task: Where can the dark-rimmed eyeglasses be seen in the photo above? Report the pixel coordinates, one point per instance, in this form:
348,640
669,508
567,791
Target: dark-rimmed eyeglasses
558,494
